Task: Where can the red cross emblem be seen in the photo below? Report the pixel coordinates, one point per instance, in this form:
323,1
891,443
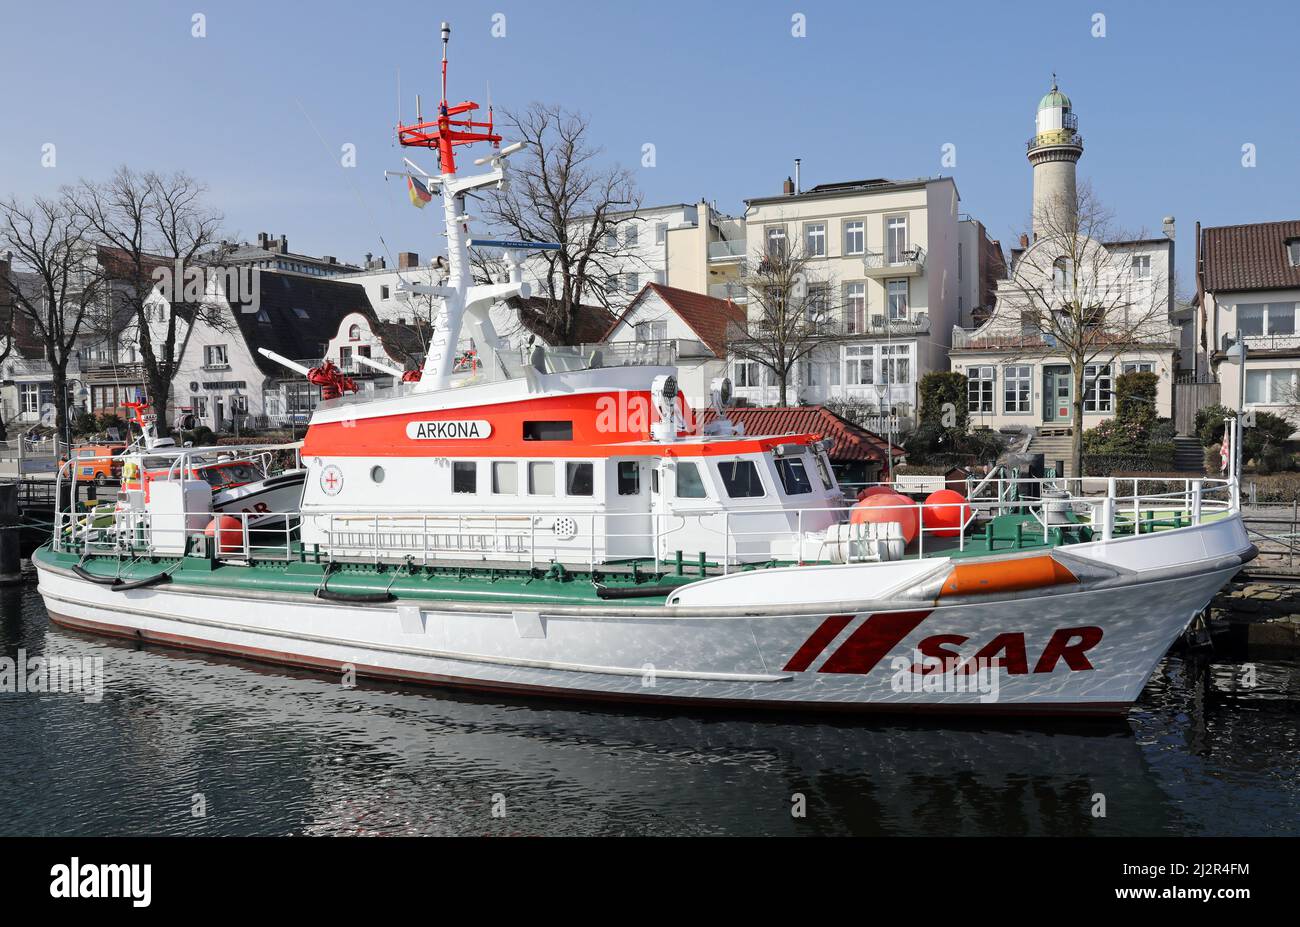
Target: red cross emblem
331,480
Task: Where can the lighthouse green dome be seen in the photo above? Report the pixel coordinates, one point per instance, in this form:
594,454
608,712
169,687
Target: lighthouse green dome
1054,98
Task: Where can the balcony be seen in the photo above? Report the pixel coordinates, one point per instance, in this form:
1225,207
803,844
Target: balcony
1055,138
736,292
1280,342
908,263
727,251
881,327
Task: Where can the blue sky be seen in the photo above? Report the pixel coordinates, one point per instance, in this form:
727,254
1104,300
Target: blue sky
260,107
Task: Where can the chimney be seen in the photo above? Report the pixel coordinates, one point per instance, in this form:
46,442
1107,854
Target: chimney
1024,240
788,187
262,241
1169,227
407,260
798,187
284,244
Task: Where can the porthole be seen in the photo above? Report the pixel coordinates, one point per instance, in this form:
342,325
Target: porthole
377,474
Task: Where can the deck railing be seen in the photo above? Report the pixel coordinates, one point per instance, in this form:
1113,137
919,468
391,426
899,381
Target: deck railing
718,539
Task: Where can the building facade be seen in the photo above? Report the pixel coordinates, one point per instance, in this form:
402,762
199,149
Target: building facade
1018,378
665,324
885,257
1249,283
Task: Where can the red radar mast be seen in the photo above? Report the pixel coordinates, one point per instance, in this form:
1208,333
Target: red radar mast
445,133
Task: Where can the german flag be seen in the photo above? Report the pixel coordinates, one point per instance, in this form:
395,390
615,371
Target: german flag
420,194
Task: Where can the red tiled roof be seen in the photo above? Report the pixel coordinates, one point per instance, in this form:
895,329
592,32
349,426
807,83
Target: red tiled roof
707,316
850,441
1250,257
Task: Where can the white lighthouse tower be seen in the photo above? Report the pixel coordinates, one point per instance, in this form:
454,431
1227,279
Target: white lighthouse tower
1054,149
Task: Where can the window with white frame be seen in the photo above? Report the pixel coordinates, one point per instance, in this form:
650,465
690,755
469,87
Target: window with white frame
652,330
855,236
896,239
30,396
1267,318
1270,385
776,241
1017,380
630,234
1141,268
629,284
814,236
611,240
979,389
818,303
1293,252
1097,388
747,373
896,364
855,308
859,365
1138,367
214,355
897,290
661,232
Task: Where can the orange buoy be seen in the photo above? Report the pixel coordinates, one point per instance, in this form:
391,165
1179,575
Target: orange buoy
944,510
229,532
870,491
882,508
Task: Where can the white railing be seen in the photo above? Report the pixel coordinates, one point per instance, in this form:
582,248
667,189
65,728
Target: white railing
721,539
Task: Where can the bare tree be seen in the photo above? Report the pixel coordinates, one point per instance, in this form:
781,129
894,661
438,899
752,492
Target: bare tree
558,192
1074,296
790,313
151,221
55,285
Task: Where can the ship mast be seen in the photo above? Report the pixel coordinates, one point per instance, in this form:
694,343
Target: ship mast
454,126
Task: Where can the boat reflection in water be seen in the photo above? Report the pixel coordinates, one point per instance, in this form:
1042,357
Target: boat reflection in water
266,751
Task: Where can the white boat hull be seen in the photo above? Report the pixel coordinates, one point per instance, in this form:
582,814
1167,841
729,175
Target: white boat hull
1090,650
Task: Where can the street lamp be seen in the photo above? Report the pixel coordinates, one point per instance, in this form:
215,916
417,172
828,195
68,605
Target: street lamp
1237,355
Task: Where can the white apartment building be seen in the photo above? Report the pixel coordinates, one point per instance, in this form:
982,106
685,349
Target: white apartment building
1250,283
885,254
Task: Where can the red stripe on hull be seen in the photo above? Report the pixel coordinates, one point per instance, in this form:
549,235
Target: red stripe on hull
284,658
814,645
866,646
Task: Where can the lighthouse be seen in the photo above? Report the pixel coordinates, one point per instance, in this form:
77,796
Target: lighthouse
1053,150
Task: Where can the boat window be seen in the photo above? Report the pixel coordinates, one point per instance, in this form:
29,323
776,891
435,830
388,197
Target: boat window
541,478
823,472
793,476
578,479
690,485
548,431
505,477
654,479
629,478
377,474
464,476
740,478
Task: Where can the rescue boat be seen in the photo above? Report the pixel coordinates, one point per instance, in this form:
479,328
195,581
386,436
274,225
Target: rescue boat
554,524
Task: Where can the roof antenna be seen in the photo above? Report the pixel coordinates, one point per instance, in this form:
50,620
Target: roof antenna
446,37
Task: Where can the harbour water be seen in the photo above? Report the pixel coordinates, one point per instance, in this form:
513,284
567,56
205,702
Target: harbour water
185,744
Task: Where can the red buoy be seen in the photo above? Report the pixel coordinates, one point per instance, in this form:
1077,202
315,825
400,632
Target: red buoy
945,510
870,491
229,532
883,508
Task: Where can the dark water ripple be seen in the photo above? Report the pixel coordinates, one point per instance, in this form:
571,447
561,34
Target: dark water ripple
274,752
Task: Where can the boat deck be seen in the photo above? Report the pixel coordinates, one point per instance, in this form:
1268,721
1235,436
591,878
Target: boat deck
632,582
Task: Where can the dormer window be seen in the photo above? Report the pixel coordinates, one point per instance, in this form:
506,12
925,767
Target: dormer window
1293,252
300,312
354,333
